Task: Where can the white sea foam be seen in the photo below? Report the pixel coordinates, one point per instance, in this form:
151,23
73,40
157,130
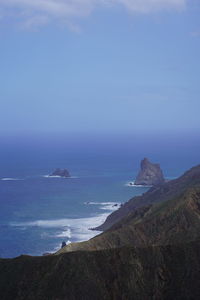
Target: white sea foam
60,223
72,230
131,184
111,206
57,176
65,233
75,229
10,179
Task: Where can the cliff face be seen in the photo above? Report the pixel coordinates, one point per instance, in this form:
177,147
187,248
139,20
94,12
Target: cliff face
167,272
150,174
156,194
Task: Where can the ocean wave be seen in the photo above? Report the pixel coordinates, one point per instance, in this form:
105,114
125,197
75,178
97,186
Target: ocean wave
77,230
70,230
111,206
64,234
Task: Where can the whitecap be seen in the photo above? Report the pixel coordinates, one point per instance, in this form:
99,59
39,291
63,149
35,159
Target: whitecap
132,184
111,207
72,230
57,176
64,234
78,229
10,179
61,222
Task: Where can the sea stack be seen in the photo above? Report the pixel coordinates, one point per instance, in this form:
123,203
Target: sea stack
149,174
61,173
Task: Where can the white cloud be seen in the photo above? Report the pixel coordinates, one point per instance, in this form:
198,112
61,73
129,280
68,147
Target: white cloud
40,12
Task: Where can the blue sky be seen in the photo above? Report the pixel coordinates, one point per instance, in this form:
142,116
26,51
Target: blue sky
95,66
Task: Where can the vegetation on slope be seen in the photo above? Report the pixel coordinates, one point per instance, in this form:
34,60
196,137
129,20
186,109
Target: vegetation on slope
161,272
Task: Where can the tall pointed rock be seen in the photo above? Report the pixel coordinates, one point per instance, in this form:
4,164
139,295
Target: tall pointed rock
149,174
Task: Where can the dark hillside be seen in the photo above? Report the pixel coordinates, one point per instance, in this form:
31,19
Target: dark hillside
163,272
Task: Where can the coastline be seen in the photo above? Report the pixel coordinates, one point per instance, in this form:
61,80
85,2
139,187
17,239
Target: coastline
71,229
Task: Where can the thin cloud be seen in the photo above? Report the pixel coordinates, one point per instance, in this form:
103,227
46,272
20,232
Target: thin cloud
32,13
149,6
34,22
195,33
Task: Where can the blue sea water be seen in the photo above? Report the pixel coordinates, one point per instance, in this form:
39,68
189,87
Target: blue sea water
37,213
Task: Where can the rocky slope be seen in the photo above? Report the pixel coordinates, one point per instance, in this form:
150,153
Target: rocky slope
149,174
159,273
156,194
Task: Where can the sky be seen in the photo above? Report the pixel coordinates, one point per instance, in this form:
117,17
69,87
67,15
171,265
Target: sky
99,66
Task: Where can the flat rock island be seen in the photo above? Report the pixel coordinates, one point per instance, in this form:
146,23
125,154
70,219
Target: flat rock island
60,173
149,174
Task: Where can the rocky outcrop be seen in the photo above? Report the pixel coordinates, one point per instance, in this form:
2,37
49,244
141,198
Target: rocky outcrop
150,174
60,173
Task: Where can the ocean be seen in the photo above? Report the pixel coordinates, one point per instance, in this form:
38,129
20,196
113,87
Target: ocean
38,213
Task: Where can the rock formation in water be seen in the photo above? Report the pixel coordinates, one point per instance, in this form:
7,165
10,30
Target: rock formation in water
150,174
60,172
